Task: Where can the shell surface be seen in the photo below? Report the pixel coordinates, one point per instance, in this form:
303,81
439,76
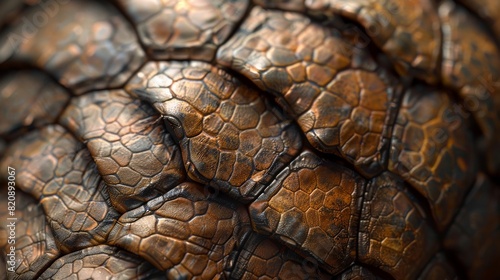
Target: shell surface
238,139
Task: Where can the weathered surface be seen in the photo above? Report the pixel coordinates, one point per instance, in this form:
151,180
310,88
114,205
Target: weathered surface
406,30
433,150
101,262
84,44
35,247
183,232
230,136
184,29
394,234
260,258
313,206
58,171
312,70
145,134
133,152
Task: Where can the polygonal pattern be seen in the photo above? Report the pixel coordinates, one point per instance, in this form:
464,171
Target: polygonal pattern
311,70
183,232
231,138
57,170
184,29
433,150
394,234
313,206
146,135
134,154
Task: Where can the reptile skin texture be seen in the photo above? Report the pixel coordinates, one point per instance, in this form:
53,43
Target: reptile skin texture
250,139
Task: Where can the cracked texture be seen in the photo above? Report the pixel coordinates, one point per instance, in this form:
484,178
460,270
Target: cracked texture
57,170
100,262
406,30
261,258
185,29
311,69
183,232
230,136
313,206
433,150
35,244
363,166
134,154
394,234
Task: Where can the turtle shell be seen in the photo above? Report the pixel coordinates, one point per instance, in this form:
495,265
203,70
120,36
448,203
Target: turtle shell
239,139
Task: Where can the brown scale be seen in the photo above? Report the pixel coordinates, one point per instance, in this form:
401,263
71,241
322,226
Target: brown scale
57,170
432,149
184,29
183,232
230,137
313,206
86,45
406,30
35,244
101,262
426,209
312,70
394,234
261,258
134,154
